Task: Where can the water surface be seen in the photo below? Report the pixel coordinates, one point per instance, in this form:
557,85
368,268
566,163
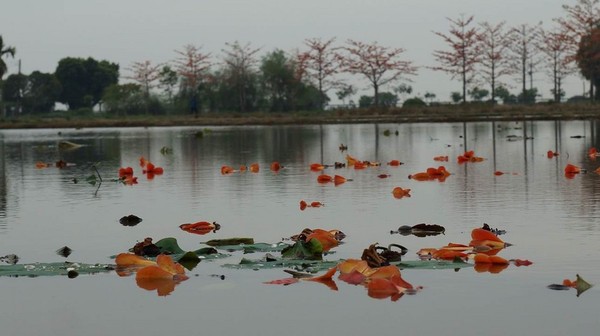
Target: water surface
551,220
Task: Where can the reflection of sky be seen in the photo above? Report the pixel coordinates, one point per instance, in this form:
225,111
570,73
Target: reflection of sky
550,220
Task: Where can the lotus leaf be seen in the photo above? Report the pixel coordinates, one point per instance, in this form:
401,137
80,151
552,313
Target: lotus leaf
433,264
251,248
310,250
299,265
230,241
56,268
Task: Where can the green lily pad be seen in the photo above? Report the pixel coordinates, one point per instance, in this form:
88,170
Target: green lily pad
312,266
230,241
316,266
57,268
251,248
432,264
581,285
310,250
169,246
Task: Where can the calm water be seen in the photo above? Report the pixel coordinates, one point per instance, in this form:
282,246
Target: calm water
551,220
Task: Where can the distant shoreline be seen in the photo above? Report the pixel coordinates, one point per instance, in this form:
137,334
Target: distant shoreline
441,114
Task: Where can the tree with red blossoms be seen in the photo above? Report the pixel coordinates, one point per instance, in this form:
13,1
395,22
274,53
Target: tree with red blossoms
494,47
192,64
557,59
240,63
319,64
524,43
581,20
464,54
380,65
145,74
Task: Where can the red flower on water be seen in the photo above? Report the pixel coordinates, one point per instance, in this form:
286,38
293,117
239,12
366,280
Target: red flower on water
200,228
152,170
128,171
431,174
571,170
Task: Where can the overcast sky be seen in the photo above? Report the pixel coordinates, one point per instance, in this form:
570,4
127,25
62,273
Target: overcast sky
126,31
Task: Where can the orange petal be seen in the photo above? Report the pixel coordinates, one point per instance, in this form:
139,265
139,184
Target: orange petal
350,265
337,179
326,276
198,227
359,165
316,167
381,288
275,166
399,192
285,282
353,278
399,282
395,163
384,272
324,178
326,239
227,170
303,205
448,254
481,234
154,272
129,259
254,168
498,260
482,258
163,287
572,169
166,263
420,176
497,268
350,160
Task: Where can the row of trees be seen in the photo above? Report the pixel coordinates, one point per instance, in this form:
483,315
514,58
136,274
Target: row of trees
478,55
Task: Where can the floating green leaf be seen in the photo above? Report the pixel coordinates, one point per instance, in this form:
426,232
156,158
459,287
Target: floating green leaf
57,268
298,265
581,285
230,241
251,248
166,150
310,250
68,145
432,264
169,246
92,179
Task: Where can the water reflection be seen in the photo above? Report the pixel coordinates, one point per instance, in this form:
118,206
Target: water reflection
551,220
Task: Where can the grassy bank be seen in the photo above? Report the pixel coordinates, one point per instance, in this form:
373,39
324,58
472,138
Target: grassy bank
457,113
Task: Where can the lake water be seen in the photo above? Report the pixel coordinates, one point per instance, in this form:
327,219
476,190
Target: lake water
551,220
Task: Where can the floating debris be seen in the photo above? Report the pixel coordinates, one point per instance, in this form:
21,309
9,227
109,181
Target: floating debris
11,259
68,145
130,220
64,251
497,232
146,248
420,230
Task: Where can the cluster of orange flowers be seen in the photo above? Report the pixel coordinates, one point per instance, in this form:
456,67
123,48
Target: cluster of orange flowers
162,275
148,168
482,249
